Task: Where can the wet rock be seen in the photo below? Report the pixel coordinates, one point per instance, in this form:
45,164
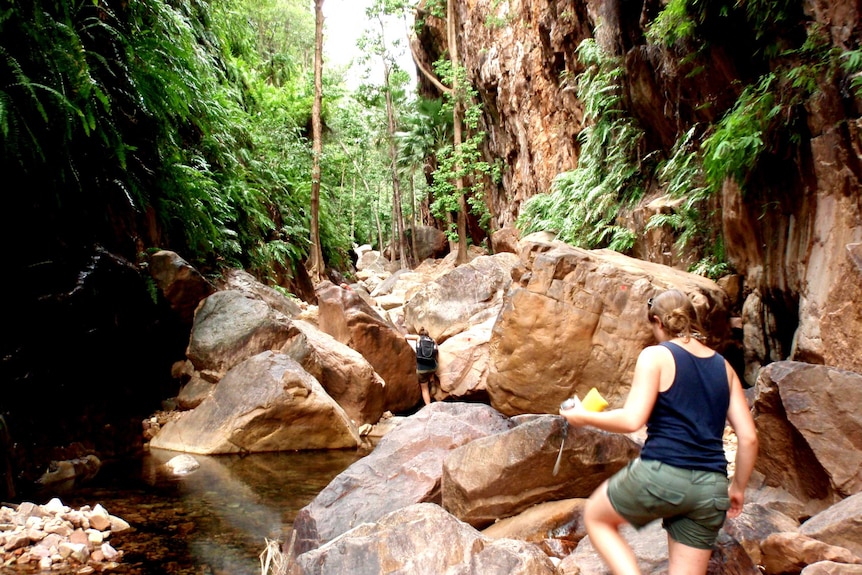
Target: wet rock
182,464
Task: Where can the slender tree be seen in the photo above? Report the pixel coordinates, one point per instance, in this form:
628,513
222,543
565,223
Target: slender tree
316,256
462,158
424,131
456,118
375,42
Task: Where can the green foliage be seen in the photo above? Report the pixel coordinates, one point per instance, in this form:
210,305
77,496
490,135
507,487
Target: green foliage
673,26
584,203
712,267
682,177
424,130
102,104
463,162
177,122
685,23
356,157
493,19
739,138
851,63
765,112
766,17
436,8
802,69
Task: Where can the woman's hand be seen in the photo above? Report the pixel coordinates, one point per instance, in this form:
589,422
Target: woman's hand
574,414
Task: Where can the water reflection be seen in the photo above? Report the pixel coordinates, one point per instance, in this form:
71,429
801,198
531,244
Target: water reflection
214,521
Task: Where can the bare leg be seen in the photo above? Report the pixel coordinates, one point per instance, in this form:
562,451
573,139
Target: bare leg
685,560
603,524
426,395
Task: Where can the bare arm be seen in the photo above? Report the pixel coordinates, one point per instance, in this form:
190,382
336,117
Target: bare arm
739,416
639,403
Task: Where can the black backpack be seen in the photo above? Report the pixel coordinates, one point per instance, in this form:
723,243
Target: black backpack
425,348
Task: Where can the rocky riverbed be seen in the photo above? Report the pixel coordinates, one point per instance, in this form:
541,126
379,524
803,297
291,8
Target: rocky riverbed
56,537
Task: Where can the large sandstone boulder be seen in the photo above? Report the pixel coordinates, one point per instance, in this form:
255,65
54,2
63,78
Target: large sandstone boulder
403,469
809,414
345,375
649,545
266,403
181,284
838,525
422,539
555,526
463,363
244,282
791,552
755,524
576,319
468,295
831,568
350,320
430,242
505,240
776,498
504,474
230,327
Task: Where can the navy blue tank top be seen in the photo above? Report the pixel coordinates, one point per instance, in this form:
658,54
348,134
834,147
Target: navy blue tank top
686,426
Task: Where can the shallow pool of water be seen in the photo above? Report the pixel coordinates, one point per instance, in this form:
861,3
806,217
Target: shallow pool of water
214,521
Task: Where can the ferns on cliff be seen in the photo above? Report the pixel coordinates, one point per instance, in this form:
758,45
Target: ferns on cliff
584,203
851,63
683,179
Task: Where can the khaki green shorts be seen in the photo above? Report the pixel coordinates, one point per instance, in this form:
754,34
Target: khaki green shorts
692,504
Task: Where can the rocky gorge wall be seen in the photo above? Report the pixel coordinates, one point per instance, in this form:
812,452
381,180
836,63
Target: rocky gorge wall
794,235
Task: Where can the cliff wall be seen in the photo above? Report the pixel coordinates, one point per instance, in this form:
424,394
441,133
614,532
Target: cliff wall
793,234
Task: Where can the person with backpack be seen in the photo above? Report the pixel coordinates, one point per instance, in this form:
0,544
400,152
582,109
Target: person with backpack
426,361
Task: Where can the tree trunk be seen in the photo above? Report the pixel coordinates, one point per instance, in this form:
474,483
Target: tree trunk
397,212
456,117
380,244
413,216
353,209
396,185
316,256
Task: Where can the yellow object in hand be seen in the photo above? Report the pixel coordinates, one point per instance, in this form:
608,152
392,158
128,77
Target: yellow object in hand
593,401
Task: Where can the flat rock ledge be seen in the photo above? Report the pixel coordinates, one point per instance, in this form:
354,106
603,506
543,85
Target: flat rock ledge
53,535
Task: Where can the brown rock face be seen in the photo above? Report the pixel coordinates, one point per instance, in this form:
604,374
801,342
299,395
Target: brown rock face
230,327
343,373
790,552
577,320
425,540
838,525
522,63
842,315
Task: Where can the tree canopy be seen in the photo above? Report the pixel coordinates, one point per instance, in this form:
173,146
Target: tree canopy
181,125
